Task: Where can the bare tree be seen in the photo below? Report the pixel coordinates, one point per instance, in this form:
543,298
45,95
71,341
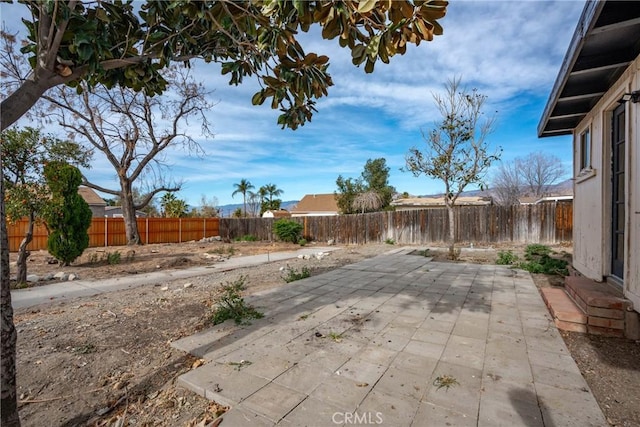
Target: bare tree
367,201
457,150
506,185
539,171
133,132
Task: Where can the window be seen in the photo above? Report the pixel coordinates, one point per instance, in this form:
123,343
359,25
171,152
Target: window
585,150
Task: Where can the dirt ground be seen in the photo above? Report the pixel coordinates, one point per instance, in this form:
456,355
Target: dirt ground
106,360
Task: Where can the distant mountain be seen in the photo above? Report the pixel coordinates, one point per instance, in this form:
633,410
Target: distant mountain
562,188
228,210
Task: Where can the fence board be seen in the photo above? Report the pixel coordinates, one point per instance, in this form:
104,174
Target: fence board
111,231
542,223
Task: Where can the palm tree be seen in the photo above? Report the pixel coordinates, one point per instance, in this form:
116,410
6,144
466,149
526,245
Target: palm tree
242,187
273,191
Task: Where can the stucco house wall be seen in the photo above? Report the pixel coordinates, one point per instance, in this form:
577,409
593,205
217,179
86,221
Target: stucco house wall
592,189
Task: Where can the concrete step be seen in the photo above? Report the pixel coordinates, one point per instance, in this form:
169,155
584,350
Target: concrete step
566,313
603,303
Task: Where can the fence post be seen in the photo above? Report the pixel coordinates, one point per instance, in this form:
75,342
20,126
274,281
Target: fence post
204,227
179,230
147,225
106,236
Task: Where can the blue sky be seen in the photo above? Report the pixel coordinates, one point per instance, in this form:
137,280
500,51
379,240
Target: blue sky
510,51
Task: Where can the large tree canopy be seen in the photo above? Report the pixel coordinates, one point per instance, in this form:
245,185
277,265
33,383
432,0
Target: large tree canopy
127,44
118,43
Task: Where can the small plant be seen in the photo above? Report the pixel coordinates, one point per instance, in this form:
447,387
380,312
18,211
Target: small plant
292,274
113,258
536,249
130,255
94,258
231,250
230,304
506,258
538,260
335,336
390,241
445,381
287,230
302,242
247,238
84,349
454,254
241,364
303,317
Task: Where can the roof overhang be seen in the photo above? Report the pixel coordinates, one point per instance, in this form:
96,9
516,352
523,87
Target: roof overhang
606,41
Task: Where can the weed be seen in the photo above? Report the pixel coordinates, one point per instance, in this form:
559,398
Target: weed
538,260
506,258
335,336
390,241
292,274
113,258
303,317
536,249
94,258
85,349
302,242
247,238
454,254
445,381
241,364
130,255
230,304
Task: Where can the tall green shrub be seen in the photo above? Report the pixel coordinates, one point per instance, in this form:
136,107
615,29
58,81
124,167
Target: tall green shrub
287,230
69,216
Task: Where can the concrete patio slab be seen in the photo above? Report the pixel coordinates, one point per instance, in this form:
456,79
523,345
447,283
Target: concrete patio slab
373,342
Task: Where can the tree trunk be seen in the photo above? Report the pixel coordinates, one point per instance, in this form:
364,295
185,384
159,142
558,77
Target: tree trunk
8,392
23,253
452,230
19,102
129,214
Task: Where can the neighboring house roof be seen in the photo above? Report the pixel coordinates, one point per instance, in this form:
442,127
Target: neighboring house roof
281,213
436,202
604,43
316,204
116,212
91,197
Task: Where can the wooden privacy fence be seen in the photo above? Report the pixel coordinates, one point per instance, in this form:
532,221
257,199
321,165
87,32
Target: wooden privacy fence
111,231
541,223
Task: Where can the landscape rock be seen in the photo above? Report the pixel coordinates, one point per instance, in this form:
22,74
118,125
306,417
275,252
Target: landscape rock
164,288
31,278
72,277
210,239
48,276
187,285
331,242
61,275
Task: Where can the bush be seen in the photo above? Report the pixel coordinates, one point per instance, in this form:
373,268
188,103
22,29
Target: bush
287,230
113,258
302,242
68,216
539,261
506,258
390,241
230,304
292,275
536,249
